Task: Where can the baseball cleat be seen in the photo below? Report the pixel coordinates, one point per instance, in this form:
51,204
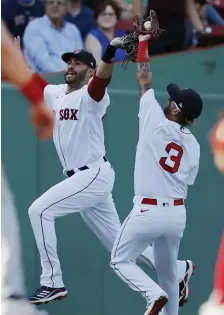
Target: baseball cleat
156,306
45,294
184,290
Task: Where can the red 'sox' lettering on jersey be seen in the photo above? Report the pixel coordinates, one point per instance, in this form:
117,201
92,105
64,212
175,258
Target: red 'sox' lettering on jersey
68,114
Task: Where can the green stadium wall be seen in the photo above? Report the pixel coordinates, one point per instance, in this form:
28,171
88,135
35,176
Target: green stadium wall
33,167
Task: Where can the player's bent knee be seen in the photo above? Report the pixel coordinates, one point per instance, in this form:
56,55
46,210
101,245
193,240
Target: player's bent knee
35,209
115,266
40,209
32,211
112,263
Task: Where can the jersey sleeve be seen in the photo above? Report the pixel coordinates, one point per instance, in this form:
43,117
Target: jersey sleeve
150,109
97,108
104,110
194,170
192,175
50,95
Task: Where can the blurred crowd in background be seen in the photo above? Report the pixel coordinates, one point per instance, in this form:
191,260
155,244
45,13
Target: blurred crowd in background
48,28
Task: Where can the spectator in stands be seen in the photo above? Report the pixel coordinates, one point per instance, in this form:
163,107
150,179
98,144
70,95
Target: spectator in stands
208,16
47,38
213,16
126,8
171,15
18,13
191,36
80,15
107,15
207,12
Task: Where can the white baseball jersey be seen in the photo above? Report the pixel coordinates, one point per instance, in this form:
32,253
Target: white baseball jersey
167,157
78,132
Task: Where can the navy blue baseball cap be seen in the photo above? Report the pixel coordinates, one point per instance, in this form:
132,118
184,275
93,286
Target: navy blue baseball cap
188,101
82,55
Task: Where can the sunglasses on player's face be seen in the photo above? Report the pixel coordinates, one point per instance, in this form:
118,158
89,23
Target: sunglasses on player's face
57,2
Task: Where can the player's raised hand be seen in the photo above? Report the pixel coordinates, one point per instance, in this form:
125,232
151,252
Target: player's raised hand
43,120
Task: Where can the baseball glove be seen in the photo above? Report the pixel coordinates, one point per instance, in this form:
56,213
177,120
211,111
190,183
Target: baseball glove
148,26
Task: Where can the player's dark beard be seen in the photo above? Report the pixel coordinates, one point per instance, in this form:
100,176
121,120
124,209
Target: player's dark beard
77,80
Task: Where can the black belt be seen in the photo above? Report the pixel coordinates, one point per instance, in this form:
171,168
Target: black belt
83,168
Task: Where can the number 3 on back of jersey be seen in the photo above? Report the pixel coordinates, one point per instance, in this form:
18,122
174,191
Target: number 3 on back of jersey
171,163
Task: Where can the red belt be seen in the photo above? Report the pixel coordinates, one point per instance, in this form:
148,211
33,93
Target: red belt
149,201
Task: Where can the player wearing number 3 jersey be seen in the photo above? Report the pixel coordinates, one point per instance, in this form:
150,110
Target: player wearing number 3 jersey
167,161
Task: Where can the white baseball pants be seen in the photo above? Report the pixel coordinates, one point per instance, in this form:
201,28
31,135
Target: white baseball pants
163,225
12,285
87,192
11,275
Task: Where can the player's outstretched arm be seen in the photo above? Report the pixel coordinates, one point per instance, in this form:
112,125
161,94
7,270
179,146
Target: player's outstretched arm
31,85
13,65
144,74
104,72
106,65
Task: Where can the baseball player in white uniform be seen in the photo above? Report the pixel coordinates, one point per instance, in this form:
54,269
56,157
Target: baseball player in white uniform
13,299
15,70
215,303
79,106
167,161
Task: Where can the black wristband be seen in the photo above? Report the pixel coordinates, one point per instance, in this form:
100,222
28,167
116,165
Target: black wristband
109,54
